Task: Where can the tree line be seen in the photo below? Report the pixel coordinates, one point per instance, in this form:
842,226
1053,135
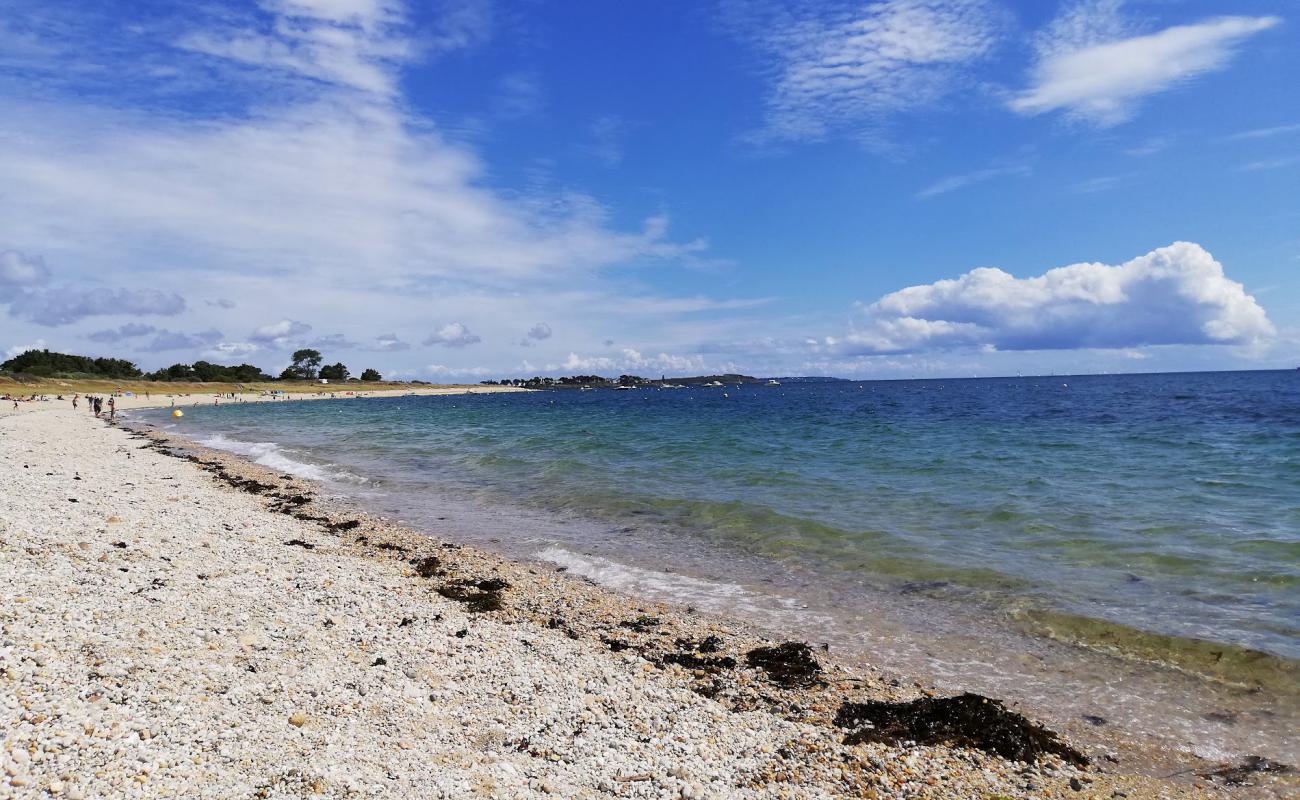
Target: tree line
45,364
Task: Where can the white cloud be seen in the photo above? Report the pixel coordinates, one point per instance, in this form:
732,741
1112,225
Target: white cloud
1264,133
1174,295
17,269
538,333
61,305
443,371
172,340
130,330
1270,163
1091,66
34,299
628,360
231,351
453,334
389,343
280,334
842,68
19,349
954,182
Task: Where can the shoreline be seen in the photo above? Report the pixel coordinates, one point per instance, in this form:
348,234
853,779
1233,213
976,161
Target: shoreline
699,664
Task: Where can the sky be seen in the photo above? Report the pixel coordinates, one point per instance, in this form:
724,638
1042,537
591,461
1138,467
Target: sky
456,190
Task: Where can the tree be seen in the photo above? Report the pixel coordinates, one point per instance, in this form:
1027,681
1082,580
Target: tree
47,364
304,366
371,375
335,372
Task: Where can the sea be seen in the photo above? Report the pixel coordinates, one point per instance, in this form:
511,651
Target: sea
1109,551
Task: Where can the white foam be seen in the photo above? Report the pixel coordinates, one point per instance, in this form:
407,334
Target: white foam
272,456
713,596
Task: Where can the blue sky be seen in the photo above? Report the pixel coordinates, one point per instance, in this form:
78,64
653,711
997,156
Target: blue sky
466,189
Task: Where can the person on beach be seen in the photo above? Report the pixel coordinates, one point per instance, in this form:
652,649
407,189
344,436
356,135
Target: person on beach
74,401
112,408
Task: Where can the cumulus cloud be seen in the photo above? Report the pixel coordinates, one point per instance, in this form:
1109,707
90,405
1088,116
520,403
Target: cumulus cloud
17,269
130,330
1174,295
629,359
335,341
231,351
280,334
444,371
539,332
61,305
172,340
34,299
1092,66
841,67
453,334
389,343
19,349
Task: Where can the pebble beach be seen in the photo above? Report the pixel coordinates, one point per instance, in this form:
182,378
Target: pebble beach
175,622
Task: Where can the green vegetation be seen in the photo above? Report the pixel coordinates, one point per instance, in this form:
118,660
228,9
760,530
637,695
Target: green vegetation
335,372
371,375
44,364
305,364
209,373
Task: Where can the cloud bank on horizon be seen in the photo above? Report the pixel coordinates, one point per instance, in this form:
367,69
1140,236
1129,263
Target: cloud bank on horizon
232,184
1176,295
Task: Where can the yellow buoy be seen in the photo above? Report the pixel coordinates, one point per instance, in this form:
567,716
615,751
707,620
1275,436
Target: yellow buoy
178,413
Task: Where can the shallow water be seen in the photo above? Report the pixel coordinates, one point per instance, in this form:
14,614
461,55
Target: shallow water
961,527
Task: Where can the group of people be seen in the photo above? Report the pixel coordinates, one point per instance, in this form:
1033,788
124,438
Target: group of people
95,405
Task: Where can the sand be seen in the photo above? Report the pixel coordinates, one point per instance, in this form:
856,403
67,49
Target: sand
178,623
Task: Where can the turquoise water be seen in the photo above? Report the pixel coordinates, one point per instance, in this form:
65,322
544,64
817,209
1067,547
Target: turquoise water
1168,503
975,533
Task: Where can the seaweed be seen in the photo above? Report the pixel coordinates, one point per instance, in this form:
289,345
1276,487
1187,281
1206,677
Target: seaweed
707,663
347,525
301,543
641,624
967,720
1239,774
709,644
478,596
790,664
427,567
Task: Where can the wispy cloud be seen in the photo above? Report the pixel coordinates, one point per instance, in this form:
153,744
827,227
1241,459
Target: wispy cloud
1093,67
1264,133
1100,183
843,69
1270,163
963,180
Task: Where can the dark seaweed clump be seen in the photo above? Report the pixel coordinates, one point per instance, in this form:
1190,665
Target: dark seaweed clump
478,595
790,664
967,720
427,567
690,660
1239,775
641,624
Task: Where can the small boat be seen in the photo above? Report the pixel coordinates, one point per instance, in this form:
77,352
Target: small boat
622,388
714,383
585,389
773,382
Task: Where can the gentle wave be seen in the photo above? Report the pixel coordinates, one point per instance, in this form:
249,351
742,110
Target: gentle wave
273,456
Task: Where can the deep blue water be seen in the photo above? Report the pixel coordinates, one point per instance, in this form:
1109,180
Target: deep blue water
1169,504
